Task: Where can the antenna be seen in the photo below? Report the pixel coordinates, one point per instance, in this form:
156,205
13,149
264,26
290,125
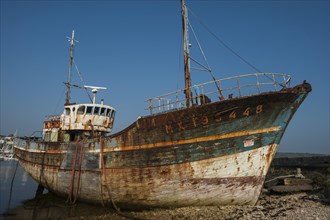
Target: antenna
95,89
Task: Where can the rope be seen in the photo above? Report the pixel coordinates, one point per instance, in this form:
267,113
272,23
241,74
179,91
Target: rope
229,48
58,102
82,80
11,185
103,173
79,173
287,176
224,44
69,200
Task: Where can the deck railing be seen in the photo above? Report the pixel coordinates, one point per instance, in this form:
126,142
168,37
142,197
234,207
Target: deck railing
227,88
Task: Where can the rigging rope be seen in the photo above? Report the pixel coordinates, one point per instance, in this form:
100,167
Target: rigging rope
58,102
224,44
73,172
208,68
108,186
79,170
229,48
82,80
11,185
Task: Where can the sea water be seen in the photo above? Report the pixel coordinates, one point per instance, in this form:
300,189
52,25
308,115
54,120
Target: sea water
19,200
15,185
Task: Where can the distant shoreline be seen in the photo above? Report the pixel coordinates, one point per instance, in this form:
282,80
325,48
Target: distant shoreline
294,155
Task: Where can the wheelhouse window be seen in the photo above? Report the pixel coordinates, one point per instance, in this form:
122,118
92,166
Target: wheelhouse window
89,110
96,110
81,110
67,111
109,112
113,114
103,112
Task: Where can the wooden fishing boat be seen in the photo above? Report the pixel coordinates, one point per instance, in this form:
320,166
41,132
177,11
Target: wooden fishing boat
198,146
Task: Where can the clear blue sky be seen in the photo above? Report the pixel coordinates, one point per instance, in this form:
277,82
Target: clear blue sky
134,49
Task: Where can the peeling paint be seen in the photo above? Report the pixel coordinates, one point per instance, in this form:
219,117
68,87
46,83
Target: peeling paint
213,154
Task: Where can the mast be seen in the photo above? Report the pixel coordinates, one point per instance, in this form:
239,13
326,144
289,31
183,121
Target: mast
186,55
67,98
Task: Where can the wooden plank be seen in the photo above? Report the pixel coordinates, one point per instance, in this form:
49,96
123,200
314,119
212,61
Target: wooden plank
284,189
296,181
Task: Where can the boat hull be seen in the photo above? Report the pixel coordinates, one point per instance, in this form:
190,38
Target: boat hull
213,154
232,179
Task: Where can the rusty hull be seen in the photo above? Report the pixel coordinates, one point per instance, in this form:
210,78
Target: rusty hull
213,154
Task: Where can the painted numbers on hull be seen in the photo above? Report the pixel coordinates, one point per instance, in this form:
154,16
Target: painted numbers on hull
203,121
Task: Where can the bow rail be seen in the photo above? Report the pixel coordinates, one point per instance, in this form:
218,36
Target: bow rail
226,88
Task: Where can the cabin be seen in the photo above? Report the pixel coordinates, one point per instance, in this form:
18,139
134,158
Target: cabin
77,120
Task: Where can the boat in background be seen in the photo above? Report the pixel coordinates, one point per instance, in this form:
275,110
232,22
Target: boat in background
7,148
207,144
